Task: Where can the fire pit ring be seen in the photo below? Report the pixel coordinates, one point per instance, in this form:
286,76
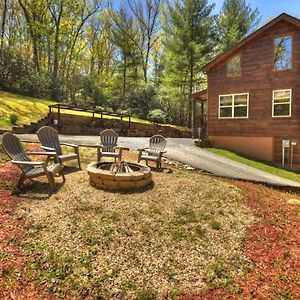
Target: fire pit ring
118,176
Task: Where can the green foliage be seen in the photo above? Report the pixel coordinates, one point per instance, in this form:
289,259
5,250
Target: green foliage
137,101
189,43
20,75
90,54
235,21
85,92
157,116
13,118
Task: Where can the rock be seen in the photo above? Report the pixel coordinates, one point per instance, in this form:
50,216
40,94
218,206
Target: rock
110,272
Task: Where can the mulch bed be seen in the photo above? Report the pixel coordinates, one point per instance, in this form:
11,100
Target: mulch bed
273,245
14,281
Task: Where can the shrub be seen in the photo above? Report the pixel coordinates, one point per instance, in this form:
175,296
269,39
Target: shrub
157,116
14,118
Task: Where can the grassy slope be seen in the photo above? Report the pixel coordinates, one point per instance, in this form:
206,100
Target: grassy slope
256,164
31,109
28,109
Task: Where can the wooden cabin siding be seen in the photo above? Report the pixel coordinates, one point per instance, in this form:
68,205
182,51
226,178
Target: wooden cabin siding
259,80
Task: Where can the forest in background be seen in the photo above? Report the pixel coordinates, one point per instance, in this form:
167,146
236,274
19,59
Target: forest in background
142,57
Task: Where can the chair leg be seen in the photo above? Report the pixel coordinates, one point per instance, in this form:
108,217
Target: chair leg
61,173
21,180
51,181
78,159
139,155
98,155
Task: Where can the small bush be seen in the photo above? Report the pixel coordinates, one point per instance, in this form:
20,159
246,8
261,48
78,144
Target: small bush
14,119
157,116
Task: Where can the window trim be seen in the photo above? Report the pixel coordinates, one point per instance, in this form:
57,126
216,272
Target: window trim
228,61
290,103
232,96
292,54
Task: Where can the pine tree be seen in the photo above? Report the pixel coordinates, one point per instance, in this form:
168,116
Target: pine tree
236,20
189,31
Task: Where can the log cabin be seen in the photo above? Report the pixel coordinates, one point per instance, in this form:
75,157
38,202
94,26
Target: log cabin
253,95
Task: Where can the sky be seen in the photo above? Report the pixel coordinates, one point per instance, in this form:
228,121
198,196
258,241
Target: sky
269,8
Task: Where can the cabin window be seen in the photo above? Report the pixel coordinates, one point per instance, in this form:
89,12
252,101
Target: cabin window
283,53
234,67
282,103
233,106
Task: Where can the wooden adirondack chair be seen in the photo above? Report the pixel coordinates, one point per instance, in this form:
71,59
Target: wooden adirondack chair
154,152
108,145
48,138
30,169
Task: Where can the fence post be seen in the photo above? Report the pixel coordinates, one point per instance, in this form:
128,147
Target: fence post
58,116
101,119
129,121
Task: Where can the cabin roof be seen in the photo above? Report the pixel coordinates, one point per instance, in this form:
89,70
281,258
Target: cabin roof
223,56
200,96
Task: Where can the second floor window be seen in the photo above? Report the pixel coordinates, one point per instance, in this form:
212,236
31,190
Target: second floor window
283,53
234,67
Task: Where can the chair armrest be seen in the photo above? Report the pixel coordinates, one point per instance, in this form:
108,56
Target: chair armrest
41,153
48,148
69,145
142,149
28,163
122,148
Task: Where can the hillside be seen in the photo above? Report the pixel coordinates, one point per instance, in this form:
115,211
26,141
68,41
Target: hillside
31,109
28,109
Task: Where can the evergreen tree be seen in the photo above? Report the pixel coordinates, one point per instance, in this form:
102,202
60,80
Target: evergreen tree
236,20
189,41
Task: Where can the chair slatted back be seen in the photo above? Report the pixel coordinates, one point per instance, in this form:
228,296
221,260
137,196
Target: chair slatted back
157,144
109,140
48,137
13,148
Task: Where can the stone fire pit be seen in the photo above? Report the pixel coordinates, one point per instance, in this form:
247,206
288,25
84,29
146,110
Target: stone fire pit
118,176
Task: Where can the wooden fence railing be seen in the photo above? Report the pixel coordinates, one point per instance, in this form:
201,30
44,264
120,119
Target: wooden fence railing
94,112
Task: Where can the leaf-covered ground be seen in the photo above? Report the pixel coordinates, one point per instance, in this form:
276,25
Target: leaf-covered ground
189,236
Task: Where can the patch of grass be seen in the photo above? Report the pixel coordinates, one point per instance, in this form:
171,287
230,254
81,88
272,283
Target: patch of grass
145,295
256,164
217,276
178,234
185,216
200,231
215,225
284,294
129,284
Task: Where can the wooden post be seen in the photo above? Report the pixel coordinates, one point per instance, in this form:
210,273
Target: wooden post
58,116
50,109
193,117
101,118
129,121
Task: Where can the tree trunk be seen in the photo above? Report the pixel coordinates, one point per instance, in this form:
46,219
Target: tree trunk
3,24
